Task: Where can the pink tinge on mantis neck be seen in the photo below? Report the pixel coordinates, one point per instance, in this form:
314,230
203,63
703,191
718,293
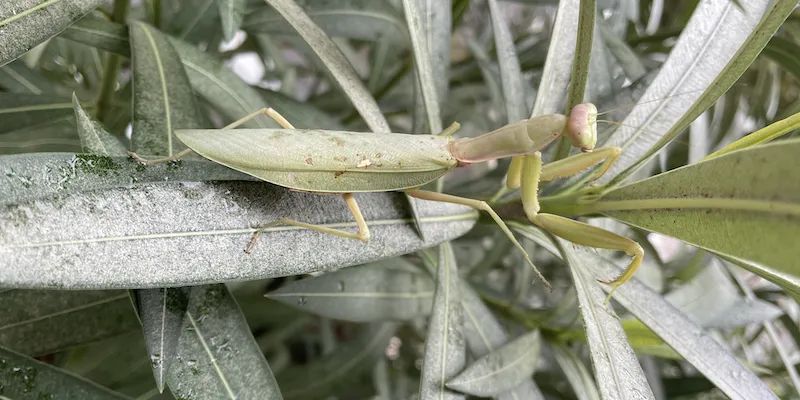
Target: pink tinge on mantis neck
524,137
582,126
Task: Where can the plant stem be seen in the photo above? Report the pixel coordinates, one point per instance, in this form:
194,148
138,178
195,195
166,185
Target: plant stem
113,62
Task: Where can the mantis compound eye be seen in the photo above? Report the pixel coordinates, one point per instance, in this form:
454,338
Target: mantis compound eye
582,126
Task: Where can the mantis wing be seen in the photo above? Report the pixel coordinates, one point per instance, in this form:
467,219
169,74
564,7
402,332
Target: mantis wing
326,161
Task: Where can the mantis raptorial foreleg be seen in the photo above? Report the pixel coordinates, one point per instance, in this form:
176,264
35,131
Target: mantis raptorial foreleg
481,206
577,232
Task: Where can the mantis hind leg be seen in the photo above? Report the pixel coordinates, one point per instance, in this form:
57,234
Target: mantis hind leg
175,157
362,234
577,232
481,206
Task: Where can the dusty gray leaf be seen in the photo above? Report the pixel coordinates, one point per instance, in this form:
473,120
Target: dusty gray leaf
18,110
24,378
100,34
618,373
38,322
679,332
355,19
576,372
553,87
161,312
440,30
745,312
217,355
88,239
712,38
25,23
333,59
232,13
25,177
18,78
445,348
333,372
712,300
501,370
381,291
94,139
162,100
485,334
422,63
511,75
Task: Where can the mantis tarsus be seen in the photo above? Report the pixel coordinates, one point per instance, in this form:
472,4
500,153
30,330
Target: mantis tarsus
348,162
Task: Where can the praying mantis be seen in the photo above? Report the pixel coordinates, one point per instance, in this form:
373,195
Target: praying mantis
344,163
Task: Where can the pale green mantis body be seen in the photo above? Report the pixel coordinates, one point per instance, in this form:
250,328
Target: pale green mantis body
349,162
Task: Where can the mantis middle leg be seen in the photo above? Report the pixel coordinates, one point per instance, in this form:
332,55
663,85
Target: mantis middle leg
481,206
177,156
575,231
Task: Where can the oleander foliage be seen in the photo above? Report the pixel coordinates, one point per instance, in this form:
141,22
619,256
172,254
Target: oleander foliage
124,281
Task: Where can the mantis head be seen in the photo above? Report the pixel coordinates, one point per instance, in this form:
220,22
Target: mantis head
582,126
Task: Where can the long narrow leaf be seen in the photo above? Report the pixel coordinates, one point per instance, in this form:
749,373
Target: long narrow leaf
25,24
342,72
709,55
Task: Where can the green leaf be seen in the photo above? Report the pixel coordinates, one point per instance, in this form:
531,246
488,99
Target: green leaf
702,58
27,379
628,60
40,322
18,78
355,19
502,369
680,333
62,242
221,87
232,13
333,59
445,349
761,136
743,204
113,363
580,68
511,75
784,52
195,21
161,312
301,115
618,373
94,139
25,24
383,291
162,98
218,357
55,135
334,372
100,34
484,334
19,110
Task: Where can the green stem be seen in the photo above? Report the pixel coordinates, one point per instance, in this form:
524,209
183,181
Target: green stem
113,63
